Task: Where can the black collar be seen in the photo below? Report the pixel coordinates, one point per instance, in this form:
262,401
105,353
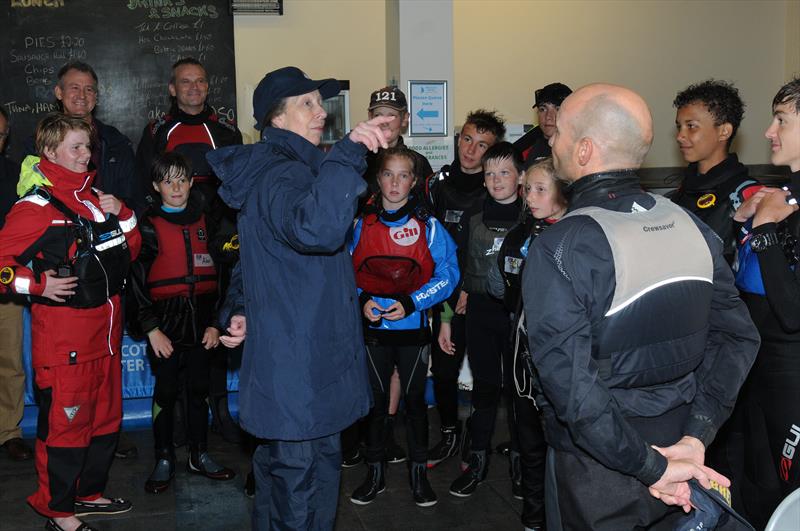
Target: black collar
730,168
597,188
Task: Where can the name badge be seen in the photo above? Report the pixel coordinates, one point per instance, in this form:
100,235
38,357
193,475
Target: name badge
513,265
203,260
453,216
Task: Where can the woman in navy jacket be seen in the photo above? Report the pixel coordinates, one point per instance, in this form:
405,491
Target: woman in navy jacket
304,374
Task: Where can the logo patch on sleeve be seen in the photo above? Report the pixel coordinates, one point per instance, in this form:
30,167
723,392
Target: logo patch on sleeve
70,412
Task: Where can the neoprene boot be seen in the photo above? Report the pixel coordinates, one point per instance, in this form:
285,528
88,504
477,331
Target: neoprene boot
162,473
420,486
446,447
202,464
475,474
374,484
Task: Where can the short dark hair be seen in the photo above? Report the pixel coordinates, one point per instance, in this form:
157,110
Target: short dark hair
788,94
487,121
80,66
182,62
504,150
4,114
168,164
720,98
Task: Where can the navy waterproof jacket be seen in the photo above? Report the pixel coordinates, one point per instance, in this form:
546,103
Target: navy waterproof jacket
304,372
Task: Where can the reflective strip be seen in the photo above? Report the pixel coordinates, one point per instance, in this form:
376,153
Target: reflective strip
22,286
648,289
171,129
129,224
210,136
61,222
119,240
35,199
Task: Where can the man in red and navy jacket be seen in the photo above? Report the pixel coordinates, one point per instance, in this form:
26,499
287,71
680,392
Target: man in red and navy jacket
193,128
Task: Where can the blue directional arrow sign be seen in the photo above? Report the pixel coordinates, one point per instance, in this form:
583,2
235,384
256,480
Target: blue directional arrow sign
428,108
427,114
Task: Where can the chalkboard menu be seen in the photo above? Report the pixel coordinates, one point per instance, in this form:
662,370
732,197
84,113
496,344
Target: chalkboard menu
131,44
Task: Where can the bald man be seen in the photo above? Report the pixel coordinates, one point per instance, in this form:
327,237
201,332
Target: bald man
638,335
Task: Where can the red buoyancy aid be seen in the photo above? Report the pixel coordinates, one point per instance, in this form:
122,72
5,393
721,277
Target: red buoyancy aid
183,266
392,260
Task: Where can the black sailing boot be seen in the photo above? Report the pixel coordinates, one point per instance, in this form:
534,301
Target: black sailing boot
202,464
476,472
374,484
162,473
420,487
446,447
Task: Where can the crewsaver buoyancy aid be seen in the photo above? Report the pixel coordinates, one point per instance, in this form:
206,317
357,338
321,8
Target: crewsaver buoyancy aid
184,266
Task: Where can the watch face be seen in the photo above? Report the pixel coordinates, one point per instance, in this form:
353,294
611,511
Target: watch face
762,241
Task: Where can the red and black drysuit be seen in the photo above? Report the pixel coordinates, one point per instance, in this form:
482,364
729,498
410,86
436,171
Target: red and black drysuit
174,288
76,351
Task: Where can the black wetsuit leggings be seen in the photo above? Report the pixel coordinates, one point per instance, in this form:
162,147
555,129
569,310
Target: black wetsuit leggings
445,369
771,416
527,438
192,364
487,339
412,366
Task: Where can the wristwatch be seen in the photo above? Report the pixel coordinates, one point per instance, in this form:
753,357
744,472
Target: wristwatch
759,242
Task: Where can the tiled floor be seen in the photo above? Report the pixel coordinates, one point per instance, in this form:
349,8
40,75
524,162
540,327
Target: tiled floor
195,503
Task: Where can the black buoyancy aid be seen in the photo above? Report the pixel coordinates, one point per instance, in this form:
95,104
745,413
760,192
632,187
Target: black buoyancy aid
511,260
392,260
183,266
100,261
486,235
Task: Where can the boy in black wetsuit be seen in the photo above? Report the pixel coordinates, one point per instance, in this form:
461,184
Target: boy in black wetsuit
716,183
173,297
456,193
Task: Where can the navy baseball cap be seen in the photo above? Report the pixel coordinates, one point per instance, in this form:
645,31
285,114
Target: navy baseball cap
553,93
283,83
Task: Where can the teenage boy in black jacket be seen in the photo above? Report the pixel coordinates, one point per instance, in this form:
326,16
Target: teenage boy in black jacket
769,280
456,193
716,183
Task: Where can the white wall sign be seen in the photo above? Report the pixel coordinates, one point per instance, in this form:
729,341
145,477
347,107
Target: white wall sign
428,108
439,151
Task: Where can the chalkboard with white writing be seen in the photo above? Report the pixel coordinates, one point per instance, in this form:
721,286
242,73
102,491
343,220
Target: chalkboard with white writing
131,44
